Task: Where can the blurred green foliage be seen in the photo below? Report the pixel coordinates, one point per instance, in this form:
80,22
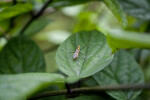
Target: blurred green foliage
129,18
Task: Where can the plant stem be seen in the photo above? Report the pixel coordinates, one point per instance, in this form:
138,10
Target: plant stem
92,90
68,88
37,15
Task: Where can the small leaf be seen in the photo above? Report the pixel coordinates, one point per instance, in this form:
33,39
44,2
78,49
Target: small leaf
15,10
21,55
95,54
123,70
121,39
137,8
22,86
37,25
113,5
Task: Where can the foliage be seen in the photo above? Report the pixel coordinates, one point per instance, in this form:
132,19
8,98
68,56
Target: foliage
17,58
128,40
27,34
115,8
138,9
14,11
21,86
122,70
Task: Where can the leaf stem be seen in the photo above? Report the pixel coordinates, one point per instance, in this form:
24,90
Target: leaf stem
68,88
92,90
37,15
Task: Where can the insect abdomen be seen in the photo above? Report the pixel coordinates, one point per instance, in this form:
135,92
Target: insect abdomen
75,56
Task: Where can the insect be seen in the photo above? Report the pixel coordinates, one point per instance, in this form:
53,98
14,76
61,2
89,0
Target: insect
75,55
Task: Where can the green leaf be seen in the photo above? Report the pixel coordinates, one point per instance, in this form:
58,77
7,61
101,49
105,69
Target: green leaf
137,8
15,10
113,5
95,54
123,70
124,39
21,21
5,4
37,25
21,55
22,86
63,3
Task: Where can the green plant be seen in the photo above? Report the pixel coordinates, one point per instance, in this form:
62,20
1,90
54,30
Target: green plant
109,65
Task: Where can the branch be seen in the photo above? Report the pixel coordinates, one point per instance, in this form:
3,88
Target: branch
92,90
12,19
14,2
38,14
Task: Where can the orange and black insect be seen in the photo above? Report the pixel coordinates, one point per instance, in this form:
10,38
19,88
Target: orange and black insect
75,55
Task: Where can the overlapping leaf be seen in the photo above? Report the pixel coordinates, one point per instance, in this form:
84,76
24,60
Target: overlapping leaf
37,25
123,70
137,8
123,39
62,3
15,10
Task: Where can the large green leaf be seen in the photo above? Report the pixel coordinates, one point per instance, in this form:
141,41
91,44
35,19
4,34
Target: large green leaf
124,39
95,54
21,55
113,5
4,25
137,8
22,86
123,70
15,10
